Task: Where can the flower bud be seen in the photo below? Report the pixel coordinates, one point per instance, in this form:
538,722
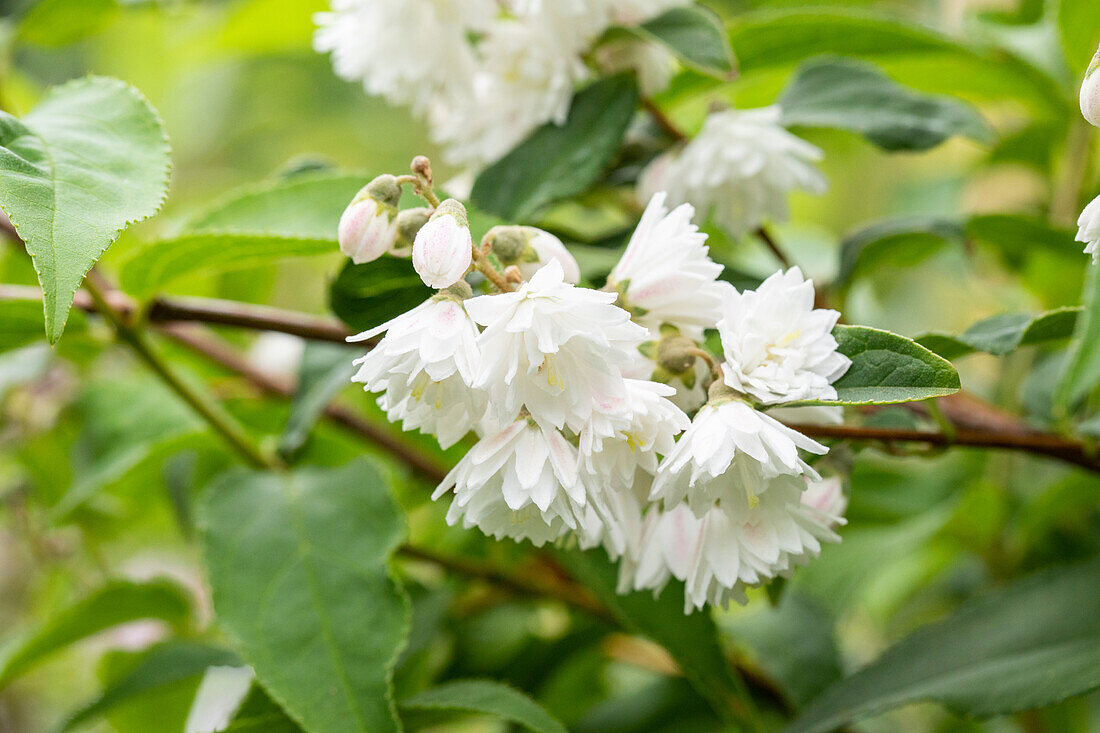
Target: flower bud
1090,92
368,226
409,223
529,248
442,249
674,354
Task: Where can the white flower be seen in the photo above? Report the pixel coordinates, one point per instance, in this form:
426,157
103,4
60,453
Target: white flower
826,497
720,553
809,414
574,23
425,366
613,519
729,456
1089,226
548,247
1090,92
368,226
738,170
691,394
412,52
525,78
443,248
667,273
521,483
555,349
777,346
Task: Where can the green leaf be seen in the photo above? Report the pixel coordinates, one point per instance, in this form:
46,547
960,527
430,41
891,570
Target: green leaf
161,666
559,161
115,603
485,696
1047,258
1082,372
299,568
1004,333
155,266
21,323
887,369
695,34
900,242
325,370
849,95
62,22
259,714
368,295
88,161
691,639
307,205
1079,28
1026,646
913,55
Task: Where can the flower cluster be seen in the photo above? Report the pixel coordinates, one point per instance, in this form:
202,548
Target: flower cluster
1088,226
485,73
581,400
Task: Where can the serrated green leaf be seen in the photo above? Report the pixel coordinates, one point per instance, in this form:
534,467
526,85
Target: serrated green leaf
488,697
1079,29
850,95
89,160
61,22
1004,333
887,369
559,161
368,295
691,639
162,665
155,266
1029,645
325,370
115,603
259,714
299,568
1082,372
900,242
695,34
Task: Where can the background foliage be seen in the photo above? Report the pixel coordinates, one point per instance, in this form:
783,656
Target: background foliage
963,596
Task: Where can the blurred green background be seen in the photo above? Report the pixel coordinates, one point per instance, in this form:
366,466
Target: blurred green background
244,99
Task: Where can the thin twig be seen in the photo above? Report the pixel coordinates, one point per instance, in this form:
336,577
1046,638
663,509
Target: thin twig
663,121
769,241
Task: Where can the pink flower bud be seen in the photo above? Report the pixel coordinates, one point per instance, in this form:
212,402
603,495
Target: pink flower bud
443,247
368,227
548,247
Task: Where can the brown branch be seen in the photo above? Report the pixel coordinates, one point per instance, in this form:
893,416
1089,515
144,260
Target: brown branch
219,352
1044,444
663,121
773,246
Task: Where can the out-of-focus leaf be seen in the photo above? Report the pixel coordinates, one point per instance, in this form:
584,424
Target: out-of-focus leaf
325,370
695,35
559,161
1082,372
794,643
21,323
1079,28
299,567
487,697
153,267
270,26
88,161
61,22
368,295
1004,333
900,242
1031,644
912,55
691,639
162,665
115,603
854,96
259,714
306,205
887,369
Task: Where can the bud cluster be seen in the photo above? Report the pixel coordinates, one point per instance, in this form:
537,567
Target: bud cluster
576,398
